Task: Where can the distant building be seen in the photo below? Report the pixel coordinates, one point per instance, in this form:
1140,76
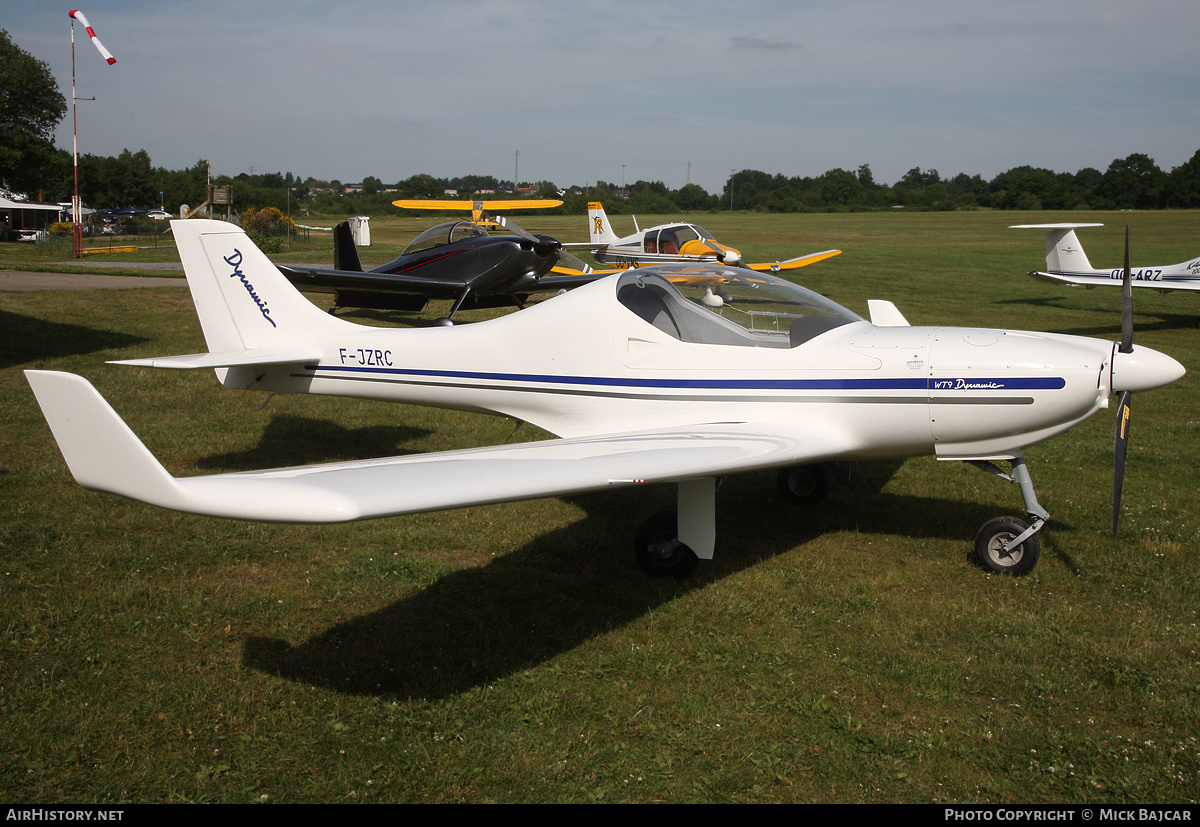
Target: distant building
27,216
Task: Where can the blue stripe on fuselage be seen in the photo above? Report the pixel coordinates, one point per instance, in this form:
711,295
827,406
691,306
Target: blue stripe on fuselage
892,384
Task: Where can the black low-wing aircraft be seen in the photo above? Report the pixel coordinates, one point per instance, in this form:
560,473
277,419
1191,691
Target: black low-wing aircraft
457,260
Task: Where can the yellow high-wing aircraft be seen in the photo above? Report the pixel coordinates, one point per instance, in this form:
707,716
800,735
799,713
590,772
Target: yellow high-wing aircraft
479,209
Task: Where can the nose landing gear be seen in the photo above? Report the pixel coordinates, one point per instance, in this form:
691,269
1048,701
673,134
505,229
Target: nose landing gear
1007,545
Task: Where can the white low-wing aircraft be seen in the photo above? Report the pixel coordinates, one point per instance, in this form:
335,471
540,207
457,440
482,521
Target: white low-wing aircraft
645,379
1067,263
672,244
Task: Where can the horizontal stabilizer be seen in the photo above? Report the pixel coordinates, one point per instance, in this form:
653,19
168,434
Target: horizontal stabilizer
1066,226
235,359
1056,278
105,455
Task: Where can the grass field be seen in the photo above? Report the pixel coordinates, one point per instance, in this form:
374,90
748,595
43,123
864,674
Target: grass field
516,653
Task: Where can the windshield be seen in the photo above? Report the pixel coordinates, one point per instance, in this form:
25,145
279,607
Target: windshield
728,306
669,240
441,234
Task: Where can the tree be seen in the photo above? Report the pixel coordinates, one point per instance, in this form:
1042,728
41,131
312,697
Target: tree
420,186
1031,188
1182,188
694,197
865,177
1133,183
30,107
842,188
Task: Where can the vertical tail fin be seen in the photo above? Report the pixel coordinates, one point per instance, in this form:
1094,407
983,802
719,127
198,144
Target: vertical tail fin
1064,253
599,229
243,301
345,253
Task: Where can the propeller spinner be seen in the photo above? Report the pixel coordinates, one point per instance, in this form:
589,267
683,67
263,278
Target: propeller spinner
566,258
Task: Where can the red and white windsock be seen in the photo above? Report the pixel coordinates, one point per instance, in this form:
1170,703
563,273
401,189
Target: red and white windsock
78,15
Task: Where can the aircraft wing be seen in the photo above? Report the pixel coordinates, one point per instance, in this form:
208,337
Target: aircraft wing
105,455
565,278
1164,285
317,280
514,204
795,263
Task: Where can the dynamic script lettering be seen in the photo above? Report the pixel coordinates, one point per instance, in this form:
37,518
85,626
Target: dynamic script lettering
964,385
235,261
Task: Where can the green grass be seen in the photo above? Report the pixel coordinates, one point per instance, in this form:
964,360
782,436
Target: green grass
848,653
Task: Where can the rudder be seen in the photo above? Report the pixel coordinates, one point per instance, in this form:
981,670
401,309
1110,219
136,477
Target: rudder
599,229
345,253
1064,253
243,301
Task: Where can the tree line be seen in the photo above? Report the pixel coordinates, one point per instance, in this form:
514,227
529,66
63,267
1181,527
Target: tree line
1135,182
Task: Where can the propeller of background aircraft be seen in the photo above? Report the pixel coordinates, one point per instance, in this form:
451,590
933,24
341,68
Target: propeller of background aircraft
564,258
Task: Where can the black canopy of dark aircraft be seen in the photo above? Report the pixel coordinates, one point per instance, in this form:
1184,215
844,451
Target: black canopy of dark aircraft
456,260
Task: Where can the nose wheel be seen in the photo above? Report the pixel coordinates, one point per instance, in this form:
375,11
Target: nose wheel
1006,545
996,552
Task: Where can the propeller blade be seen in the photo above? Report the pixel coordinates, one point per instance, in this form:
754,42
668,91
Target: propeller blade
1119,448
514,227
1126,302
572,261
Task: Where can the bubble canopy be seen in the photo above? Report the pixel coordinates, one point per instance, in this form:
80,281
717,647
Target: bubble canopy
441,234
714,304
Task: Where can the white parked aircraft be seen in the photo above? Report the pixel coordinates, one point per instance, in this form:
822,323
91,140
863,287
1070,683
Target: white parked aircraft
672,244
1066,263
645,378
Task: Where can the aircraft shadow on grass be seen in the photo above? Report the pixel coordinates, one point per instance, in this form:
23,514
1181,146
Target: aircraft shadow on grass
25,339
1166,322
298,440
564,588
1110,328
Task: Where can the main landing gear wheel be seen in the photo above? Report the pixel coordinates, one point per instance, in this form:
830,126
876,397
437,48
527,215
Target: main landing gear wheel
804,484
989,547
659,551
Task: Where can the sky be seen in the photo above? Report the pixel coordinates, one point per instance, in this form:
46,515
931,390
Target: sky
622,91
